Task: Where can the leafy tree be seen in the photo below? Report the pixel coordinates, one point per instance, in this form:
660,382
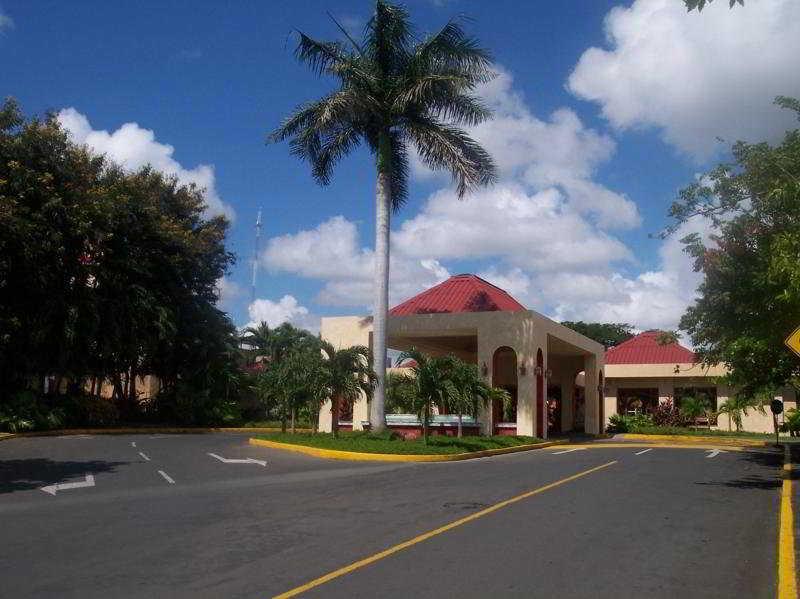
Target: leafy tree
275,343
607,333
394,93
107,275
749,300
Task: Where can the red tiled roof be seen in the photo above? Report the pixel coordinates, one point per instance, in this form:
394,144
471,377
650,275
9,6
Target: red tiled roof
407,364
645,349
459,293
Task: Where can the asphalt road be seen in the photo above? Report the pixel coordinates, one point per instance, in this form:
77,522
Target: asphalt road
663,523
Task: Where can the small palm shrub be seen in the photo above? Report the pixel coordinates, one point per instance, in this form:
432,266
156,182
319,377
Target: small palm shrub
619,423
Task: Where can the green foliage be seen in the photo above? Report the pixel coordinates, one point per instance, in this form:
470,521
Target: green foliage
792,422
105,274
738,405
400,390
608,334
695,407
635,423
395,92
388,442
750,295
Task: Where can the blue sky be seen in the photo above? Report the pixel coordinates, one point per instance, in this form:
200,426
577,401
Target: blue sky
605,109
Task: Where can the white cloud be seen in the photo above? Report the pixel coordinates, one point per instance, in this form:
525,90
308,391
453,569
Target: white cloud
558,152
134,147
228,292
6,22
653,299
537,231
286,309
695,76
332,253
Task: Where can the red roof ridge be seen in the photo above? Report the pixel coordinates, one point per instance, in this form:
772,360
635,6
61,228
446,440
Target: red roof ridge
464,292
645,349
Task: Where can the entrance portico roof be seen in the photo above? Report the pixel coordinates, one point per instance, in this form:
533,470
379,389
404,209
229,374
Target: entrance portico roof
459,293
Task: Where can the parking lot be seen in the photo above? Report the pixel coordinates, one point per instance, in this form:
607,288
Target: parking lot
211,516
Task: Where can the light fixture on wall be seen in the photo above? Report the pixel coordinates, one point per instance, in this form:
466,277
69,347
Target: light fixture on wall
484,369
548,374
522,370
538,371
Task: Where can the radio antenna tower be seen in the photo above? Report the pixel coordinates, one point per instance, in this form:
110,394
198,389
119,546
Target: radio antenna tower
256,248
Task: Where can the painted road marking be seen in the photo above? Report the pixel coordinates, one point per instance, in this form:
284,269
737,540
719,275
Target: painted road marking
643,451
437,531
236,461
712,453
787,576
53,489
166,477
567,451
133,443
141,453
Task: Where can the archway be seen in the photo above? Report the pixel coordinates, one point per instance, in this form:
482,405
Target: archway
504,376
540,416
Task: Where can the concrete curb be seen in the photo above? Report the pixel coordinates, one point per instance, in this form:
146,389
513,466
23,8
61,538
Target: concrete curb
132,430
695,440
333,454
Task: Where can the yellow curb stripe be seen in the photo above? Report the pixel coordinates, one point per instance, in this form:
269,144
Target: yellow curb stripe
787,576
437,531
697,439
656,446
335,454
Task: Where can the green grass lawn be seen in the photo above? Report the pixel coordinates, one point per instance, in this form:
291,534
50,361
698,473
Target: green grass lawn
389,443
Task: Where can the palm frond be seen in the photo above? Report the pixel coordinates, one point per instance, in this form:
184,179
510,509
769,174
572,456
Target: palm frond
319,56
387,39
451,49
444,147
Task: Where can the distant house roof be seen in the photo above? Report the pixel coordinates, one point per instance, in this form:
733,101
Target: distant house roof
407,364
645,349
459,293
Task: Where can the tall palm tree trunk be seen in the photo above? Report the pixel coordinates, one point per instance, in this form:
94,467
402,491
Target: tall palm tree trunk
293,429
335,417
383,202
460,428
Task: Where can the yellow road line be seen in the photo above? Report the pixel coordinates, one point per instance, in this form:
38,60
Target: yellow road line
787,576
605,445
437,531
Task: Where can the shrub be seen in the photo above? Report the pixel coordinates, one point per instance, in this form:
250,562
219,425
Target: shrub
86,410
27,411
619,423
666,414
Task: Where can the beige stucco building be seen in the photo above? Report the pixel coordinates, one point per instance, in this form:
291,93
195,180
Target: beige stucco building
641,373
531,356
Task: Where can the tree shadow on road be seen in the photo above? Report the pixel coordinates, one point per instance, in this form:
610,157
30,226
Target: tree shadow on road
760,470
26,474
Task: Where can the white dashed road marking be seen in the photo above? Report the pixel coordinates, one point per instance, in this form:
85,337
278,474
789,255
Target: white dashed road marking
144,456
643,451
567,450
236,461
53,489
166,477
133,443
712,453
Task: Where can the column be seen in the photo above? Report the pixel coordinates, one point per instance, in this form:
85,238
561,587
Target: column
590,368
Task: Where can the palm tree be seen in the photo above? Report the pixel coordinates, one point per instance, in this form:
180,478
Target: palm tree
467,389
737,406
345,374
491,394
432,384
399,393
693,408
275,343
394,94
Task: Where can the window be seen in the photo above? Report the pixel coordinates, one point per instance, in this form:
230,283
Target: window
707,395
636,401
